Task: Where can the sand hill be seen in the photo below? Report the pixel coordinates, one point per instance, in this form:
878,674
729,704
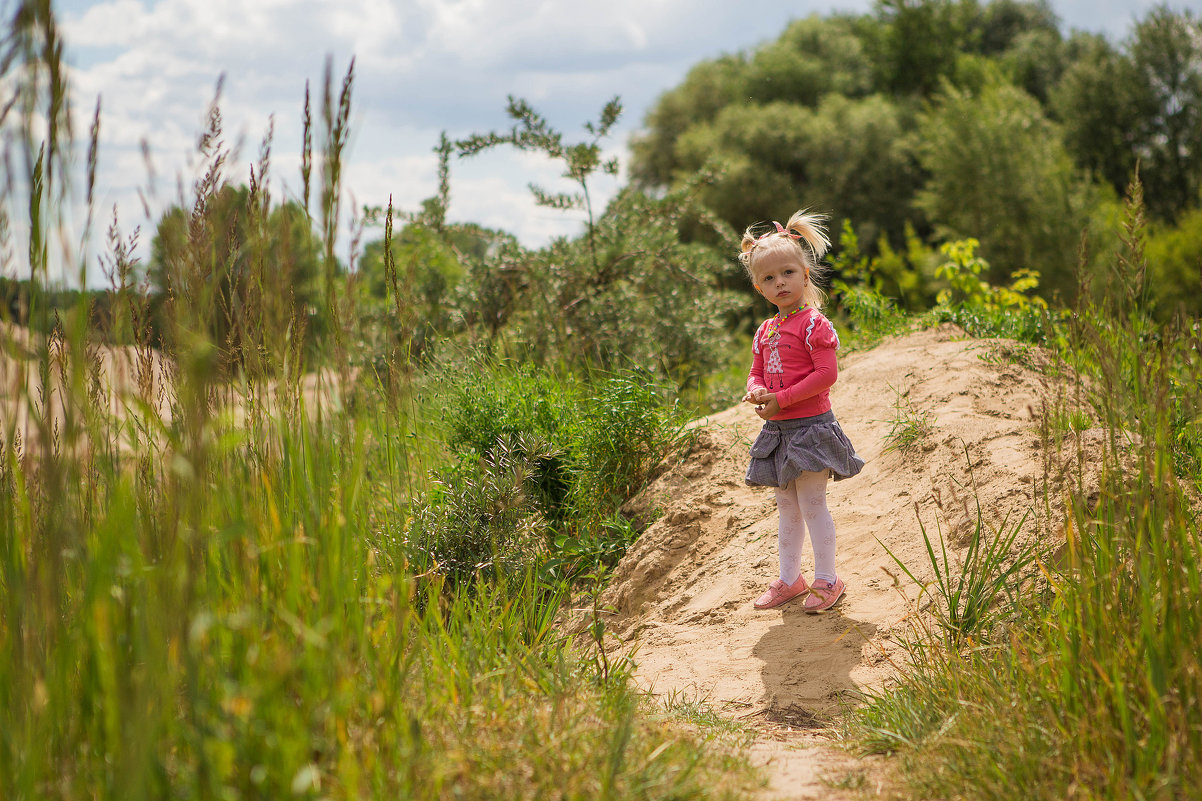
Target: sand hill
683,593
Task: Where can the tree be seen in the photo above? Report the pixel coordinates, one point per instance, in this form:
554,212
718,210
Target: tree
708,88
1035,62
1024,39
919,44
259,265
1166,53
1096,102
848,158
1142,104
999,173
815,56
1003,24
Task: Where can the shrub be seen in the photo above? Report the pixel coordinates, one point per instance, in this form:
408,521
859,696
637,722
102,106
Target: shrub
544,462
985,310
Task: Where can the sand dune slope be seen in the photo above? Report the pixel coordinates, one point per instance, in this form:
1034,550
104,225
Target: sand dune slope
683,593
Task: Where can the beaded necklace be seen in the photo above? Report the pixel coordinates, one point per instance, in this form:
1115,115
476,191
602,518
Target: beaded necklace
777,319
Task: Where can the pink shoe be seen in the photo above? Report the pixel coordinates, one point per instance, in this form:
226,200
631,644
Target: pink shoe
779,592
823,595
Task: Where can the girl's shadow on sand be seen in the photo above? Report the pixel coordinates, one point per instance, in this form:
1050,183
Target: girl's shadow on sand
808,659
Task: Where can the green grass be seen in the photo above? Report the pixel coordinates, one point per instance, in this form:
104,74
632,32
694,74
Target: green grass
1089,688
244,621
216,586
909,428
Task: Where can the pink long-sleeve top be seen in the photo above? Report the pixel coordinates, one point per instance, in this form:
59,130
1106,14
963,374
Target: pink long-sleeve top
796,362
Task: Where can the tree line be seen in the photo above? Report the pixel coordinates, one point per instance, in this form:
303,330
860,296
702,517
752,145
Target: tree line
951,119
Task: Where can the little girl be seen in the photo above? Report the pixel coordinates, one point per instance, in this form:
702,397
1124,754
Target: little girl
793,367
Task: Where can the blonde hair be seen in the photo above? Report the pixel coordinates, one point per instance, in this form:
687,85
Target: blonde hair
803,236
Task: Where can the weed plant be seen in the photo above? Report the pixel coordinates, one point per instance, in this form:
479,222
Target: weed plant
1093,691
975,594
208,587
908,428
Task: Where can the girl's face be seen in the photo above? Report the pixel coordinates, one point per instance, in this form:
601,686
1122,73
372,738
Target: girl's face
780,278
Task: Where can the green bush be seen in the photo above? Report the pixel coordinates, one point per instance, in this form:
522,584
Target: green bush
1175,258
542,463
482,518
985,310
498,403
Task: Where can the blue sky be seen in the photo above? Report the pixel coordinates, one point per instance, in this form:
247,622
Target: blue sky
422,66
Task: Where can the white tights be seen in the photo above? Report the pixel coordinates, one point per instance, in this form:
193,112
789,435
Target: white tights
802,505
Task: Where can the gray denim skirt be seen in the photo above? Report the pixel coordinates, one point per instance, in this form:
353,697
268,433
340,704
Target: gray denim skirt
787,448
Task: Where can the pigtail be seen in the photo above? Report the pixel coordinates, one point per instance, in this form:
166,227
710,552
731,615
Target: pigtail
745,248
810,228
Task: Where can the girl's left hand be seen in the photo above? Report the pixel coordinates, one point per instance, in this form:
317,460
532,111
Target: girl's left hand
769,408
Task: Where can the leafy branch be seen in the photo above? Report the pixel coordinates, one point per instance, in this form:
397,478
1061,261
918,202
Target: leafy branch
533,134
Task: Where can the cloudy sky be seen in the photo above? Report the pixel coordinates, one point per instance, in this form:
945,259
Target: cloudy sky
421,67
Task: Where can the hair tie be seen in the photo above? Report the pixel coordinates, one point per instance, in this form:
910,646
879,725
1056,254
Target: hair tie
780,229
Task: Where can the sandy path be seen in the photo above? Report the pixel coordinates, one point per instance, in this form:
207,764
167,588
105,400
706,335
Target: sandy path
683,593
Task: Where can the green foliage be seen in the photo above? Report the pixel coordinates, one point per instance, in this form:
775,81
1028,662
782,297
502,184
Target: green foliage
1140,102
570,454
813,57
1166,58
917,45
1175,267
875,290
1035,63
985,310
962,273
1097,103
503,403
871,314
626,428
632,295
1085,696
998,172
629,293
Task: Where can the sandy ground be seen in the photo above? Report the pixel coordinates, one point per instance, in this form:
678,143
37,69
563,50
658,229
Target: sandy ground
127,382
683,593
